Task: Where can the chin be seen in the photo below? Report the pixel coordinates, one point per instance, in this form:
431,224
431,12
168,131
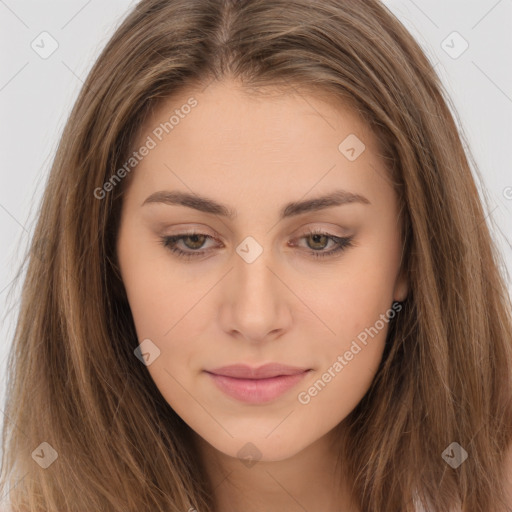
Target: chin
261,449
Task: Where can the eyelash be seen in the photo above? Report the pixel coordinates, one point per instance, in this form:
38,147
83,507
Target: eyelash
341,242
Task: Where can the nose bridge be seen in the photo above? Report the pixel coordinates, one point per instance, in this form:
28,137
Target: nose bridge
255,284
257,305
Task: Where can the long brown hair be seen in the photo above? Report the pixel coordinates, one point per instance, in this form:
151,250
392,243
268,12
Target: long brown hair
446,375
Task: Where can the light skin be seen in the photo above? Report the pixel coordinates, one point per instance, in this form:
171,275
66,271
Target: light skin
255,155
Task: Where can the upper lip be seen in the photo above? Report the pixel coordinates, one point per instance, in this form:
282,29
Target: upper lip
242,371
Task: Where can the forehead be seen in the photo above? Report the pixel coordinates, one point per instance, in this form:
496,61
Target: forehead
265,141
229,117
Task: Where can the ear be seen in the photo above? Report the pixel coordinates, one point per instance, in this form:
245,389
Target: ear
401,287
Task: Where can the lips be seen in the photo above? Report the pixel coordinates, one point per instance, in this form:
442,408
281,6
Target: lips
257,385
241,371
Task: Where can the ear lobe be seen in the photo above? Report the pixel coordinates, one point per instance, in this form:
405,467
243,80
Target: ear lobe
401,287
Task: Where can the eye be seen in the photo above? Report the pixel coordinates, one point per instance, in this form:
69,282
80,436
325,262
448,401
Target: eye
319,240
194,242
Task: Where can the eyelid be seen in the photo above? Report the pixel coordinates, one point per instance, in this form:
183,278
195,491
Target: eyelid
178,233
321,227
303,231
341,243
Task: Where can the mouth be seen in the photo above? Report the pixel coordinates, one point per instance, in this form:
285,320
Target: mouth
257,385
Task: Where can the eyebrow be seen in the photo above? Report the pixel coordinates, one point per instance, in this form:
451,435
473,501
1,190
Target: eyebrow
204,204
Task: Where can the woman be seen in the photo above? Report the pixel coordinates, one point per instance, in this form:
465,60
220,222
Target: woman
267,280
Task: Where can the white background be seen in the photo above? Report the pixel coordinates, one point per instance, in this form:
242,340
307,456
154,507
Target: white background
36,96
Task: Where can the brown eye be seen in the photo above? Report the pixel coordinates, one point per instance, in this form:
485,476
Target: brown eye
187,245
192,244
320,241
197,241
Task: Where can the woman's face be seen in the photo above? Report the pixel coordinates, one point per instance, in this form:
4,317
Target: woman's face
270,272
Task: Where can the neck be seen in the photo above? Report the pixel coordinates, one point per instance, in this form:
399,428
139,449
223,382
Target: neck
311,479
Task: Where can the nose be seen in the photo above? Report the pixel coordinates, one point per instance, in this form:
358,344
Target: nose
256,303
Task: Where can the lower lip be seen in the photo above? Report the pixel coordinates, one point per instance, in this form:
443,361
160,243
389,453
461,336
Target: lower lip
256,391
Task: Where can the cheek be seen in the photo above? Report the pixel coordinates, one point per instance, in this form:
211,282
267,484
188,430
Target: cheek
171,318
354,298
350,359
158,293
167,308
175,321
356,310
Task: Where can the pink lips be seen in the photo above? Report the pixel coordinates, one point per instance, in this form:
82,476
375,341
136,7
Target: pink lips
256,385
